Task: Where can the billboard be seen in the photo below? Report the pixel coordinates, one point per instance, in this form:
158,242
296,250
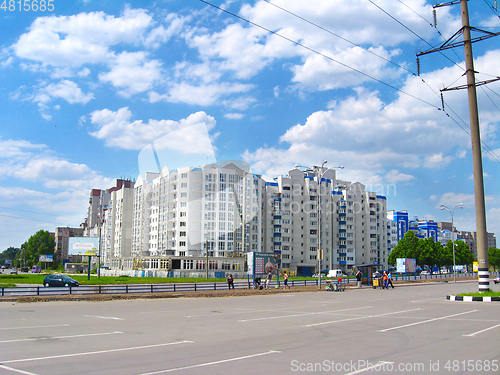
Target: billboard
83,246
261,263
46,258
406,265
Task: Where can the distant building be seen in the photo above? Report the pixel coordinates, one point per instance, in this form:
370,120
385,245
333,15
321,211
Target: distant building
61,236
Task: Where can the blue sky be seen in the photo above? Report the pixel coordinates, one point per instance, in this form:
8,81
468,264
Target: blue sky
88,85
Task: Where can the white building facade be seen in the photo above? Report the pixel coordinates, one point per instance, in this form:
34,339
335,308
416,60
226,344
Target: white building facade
193,210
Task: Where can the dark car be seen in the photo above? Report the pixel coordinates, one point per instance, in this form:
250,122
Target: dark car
496,280
59,280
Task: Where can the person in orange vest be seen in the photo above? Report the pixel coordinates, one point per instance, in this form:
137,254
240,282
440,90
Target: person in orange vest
386,281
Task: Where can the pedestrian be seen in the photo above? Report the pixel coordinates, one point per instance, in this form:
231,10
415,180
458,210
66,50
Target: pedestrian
285,282
230,281
386,281
268,280
359,275
389,276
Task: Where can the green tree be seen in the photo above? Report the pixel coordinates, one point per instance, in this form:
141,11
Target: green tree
9,254
406,248
494,257
41,243
446,257
428,255
463,254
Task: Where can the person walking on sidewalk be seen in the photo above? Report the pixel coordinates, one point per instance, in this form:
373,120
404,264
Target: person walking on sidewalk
285,282
230,281
386,281
389,276
268,280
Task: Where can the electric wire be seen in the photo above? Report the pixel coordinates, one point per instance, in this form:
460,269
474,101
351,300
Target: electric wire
484,146
340,37
319,53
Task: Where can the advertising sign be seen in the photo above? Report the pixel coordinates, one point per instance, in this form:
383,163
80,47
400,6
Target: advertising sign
46,258
405,265
83,246
261,263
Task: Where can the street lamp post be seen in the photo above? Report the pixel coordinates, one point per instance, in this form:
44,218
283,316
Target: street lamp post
452,212
319,172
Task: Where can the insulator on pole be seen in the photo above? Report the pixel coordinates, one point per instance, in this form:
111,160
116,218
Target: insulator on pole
495,4
442,101
418,66
434,13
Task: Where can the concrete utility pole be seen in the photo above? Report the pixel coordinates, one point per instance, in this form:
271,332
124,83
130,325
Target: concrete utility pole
482,245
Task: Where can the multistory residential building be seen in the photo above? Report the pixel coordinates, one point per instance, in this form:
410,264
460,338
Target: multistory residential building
347,221
116,232
211,210
61,236
109,218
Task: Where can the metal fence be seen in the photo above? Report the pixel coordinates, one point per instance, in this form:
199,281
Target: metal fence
135,288
181,287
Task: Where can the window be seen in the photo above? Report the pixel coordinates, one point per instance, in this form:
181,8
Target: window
182,224
184,175
183,204
184,185
182,234
222,177
182,243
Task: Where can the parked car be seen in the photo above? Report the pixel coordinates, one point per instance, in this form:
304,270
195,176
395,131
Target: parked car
59,280
496,280
13,271
425,273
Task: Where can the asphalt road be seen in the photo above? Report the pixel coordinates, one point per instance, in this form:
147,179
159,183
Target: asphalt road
408,330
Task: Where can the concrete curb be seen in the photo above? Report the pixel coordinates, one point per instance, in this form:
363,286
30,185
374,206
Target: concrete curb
473,299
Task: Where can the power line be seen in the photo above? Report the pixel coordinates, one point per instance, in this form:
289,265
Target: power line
27,218
31,212
340,37
352,68
319,53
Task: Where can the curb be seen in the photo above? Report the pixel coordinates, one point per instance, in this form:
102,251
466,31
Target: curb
473,299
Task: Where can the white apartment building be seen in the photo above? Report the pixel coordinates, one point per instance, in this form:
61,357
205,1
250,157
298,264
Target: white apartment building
300,214
190,211
109,218
116,234
173,220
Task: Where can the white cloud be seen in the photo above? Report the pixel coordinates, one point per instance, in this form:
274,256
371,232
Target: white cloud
69,91
72,41
118,130
234,116
395,176
132,73
199,94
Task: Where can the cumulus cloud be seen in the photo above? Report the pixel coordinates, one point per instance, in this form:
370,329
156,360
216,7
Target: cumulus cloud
77,40
118,129
132,73
23,160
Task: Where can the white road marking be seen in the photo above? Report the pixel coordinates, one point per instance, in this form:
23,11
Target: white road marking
357,318
16,370
426,321
483,330
211,363
61,337
96,352
103,317
30,327
303,314
369,368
